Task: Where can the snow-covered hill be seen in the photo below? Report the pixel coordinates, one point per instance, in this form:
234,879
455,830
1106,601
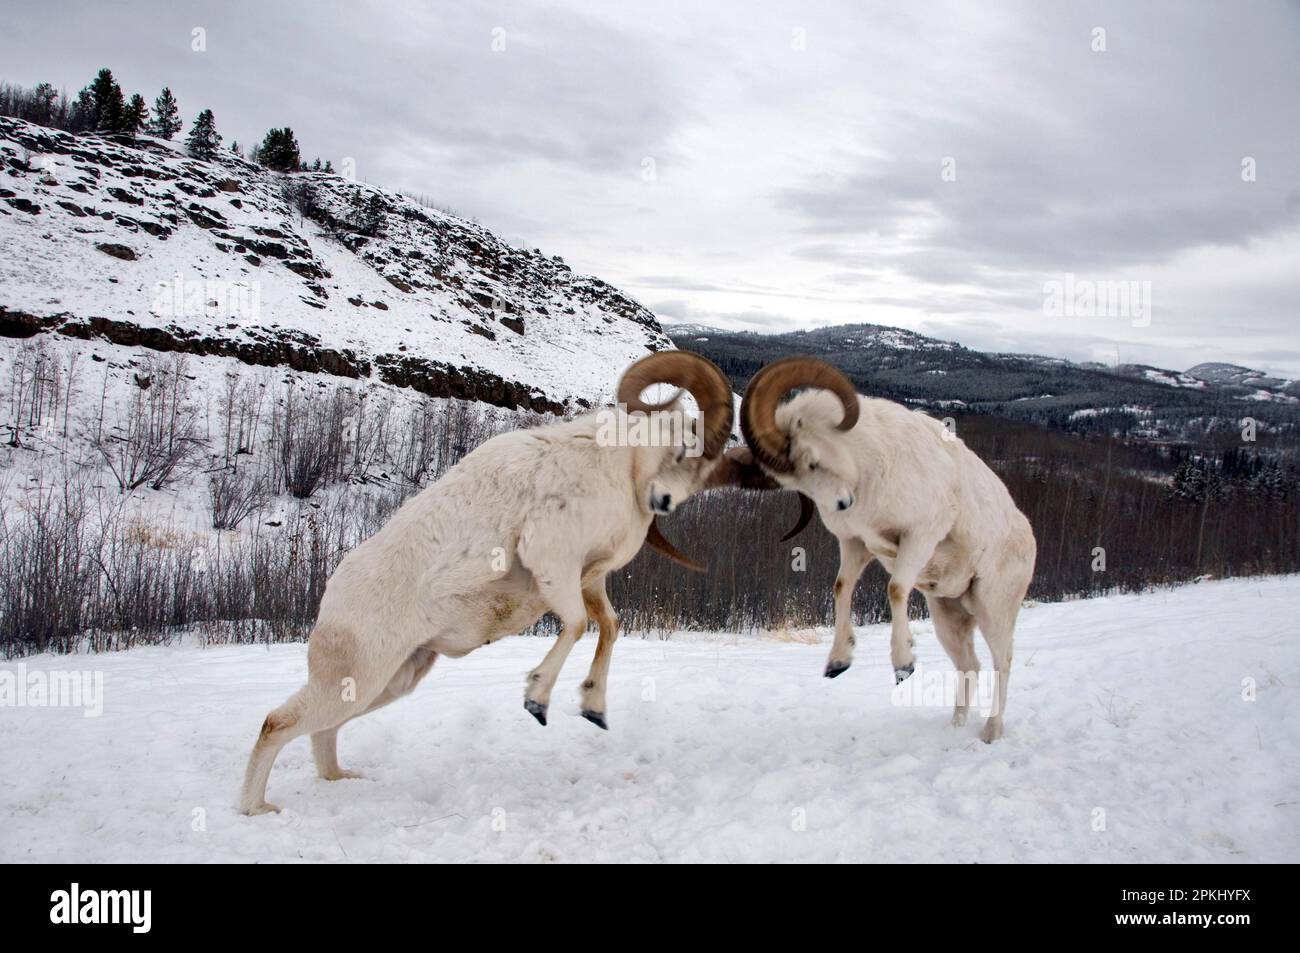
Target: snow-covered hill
1163,727
139,245
1256,384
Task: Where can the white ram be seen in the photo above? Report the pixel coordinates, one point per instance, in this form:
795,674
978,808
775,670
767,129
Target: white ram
531,521
896,485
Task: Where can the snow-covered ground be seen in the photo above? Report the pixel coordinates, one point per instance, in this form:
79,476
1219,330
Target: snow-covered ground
1130,737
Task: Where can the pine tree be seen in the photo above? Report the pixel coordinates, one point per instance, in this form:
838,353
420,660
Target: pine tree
135,117
279,150
82,116
204,140
234,147
329,166
367,212
315,166
43,109
166,121
110,108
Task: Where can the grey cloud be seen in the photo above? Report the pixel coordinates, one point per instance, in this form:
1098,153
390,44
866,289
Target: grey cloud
806,179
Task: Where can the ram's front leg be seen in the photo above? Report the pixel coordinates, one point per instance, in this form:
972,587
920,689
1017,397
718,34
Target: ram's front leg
593,689
563,593
853,559
913,554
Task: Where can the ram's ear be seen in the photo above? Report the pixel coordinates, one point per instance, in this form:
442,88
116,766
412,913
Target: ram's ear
737,467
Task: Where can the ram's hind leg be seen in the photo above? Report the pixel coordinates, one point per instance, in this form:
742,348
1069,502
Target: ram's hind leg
593,689
955,628
996,603
338,687
324,744
312,708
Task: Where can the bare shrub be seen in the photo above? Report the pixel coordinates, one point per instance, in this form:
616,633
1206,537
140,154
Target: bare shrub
366,436
239,413
308,434
159,439
47,571
35,390
234,494
301,197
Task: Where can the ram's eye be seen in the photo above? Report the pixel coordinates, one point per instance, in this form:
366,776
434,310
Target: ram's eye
812,466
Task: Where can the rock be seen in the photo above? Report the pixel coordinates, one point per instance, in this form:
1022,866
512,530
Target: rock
117,251
122,195
204,217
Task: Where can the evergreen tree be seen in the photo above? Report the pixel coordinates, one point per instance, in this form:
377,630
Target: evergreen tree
366,212
234,147
329,166
166,121
135,117
42,110
279,150
204,140
82,115
315,166
110,108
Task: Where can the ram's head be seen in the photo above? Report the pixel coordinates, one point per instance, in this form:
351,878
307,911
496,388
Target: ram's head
800,442
691,453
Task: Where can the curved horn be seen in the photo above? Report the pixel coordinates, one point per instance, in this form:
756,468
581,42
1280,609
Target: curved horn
806,510
765,392
698,375
656,540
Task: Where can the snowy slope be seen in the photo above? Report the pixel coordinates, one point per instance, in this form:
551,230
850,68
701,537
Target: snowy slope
96,231
723,749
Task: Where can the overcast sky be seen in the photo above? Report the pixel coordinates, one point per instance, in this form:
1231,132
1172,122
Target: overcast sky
776,166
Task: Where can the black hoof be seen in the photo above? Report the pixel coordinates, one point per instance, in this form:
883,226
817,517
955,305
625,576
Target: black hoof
596,718
901,674
536,709
836,668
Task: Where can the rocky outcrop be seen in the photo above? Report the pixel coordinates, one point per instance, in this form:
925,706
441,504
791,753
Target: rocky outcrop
298,352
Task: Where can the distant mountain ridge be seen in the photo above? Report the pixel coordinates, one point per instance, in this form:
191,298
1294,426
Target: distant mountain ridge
1136,400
